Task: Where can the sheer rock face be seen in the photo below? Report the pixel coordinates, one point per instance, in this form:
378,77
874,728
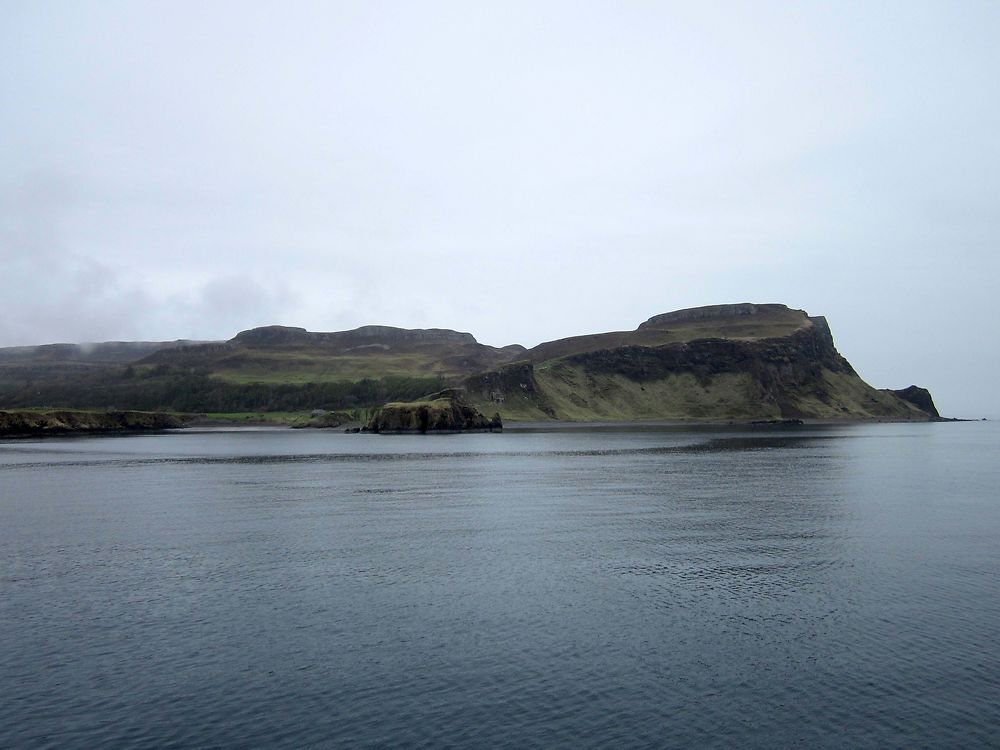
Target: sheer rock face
443,412
792,360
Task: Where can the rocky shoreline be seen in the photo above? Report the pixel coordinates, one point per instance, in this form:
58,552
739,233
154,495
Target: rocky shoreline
66,422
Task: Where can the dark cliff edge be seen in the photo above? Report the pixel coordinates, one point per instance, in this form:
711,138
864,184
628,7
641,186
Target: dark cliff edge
741,362
441,412
40,423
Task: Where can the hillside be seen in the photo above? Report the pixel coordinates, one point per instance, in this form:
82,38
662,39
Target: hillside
282,354
722,362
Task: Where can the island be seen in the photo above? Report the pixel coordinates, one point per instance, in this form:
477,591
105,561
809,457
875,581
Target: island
443,412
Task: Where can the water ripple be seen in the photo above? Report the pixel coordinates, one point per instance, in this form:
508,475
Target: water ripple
586,592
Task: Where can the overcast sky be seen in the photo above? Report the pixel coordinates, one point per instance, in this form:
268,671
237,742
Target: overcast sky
521,171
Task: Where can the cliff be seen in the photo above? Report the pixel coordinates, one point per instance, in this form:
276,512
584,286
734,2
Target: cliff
724,362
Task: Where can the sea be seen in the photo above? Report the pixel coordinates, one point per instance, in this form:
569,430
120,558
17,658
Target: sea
586,587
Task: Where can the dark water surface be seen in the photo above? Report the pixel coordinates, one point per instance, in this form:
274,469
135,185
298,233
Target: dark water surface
637,588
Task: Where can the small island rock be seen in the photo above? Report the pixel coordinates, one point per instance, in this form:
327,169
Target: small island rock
441,412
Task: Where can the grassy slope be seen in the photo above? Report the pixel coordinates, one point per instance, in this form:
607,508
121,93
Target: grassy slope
306,367
269,417
854,397
614,397
317,364
770,325
576,395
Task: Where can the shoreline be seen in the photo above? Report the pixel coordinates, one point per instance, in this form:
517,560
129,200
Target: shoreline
34,423
29,423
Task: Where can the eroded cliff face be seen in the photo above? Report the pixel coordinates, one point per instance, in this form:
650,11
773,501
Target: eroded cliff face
512,389
799,375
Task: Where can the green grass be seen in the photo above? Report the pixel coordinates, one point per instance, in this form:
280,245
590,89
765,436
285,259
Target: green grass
850,397
46,409
275,417
574,394
578,395
299,369
771,325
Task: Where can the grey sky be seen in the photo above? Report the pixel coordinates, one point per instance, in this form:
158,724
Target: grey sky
523,171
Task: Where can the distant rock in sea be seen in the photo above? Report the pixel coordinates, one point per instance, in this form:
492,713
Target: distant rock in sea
440,412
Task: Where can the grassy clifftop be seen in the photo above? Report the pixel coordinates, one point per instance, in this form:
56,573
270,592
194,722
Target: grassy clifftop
727,362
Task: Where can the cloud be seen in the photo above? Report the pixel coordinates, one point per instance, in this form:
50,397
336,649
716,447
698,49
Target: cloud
223,306
51,293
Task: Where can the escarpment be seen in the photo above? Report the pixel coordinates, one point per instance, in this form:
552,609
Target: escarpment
743,361
722,362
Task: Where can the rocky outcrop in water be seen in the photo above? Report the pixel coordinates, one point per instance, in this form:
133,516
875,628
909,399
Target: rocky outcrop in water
442,412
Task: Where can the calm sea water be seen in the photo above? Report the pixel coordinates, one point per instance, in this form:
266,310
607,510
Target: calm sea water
587,588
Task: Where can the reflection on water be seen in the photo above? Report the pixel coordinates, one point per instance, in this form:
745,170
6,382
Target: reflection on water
575,588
